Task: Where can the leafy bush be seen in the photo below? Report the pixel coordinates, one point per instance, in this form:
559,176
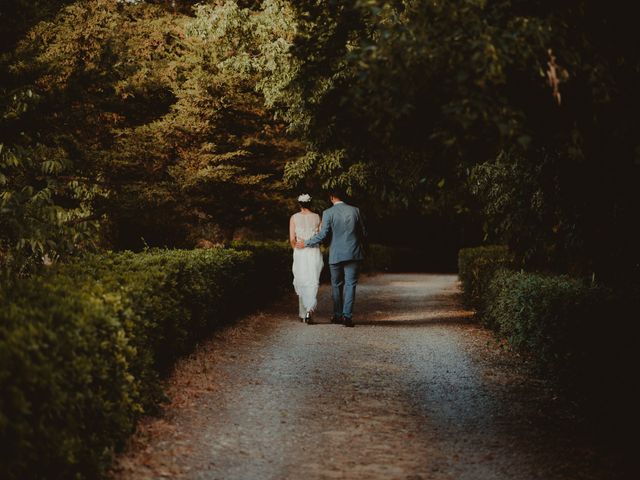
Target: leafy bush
82,348
571,329
521,196
555,317
273,258
574,332
476,267
68,392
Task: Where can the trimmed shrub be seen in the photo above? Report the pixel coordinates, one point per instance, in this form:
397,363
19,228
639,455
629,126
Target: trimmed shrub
476,267
555,318
573,331
82,348
68,396
273,262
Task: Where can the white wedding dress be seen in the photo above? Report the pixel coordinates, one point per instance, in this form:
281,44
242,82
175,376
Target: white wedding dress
307,263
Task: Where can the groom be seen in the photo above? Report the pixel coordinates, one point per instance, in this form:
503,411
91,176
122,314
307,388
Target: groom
344,225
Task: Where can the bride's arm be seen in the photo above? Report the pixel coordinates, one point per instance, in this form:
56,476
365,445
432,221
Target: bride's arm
292,232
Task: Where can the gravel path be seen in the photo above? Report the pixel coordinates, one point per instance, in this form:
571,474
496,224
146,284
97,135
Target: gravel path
415,391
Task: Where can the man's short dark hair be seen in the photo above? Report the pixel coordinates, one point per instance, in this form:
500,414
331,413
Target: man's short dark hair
338,192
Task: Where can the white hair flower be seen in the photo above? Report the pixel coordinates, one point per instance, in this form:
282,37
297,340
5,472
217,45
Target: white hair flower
304,198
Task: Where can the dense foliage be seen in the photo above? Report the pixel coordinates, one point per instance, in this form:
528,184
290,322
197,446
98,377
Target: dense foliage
126,122
476,268
130,122
556,317
575,332
527,106
572,330
82,347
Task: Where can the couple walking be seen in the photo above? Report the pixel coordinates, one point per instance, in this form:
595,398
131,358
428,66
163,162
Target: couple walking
343,226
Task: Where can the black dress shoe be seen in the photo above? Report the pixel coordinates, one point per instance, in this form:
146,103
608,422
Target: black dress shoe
336,319
348,322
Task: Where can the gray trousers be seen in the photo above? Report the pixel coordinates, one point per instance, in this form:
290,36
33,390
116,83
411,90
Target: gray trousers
344,278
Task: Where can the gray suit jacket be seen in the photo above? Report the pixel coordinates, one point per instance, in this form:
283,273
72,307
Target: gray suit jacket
345,226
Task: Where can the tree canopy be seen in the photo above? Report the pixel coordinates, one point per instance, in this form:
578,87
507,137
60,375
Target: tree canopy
163,122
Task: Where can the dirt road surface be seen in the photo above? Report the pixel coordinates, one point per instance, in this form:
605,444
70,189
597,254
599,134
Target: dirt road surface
415,391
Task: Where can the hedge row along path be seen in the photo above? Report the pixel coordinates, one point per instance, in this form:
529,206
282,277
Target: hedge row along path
415,391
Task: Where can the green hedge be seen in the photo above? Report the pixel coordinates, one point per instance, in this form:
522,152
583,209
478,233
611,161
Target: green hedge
556,318
476,267
273,266
553,318
572,330
82,348
576,333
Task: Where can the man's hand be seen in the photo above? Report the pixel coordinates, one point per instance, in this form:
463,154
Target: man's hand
300,244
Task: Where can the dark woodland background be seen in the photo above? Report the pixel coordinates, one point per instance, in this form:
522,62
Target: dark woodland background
164,123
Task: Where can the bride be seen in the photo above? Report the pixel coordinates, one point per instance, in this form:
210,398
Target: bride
307,262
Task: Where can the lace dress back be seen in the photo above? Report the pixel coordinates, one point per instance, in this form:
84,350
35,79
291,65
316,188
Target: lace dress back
306,225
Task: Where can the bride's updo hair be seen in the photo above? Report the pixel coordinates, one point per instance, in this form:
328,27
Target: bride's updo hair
304,200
